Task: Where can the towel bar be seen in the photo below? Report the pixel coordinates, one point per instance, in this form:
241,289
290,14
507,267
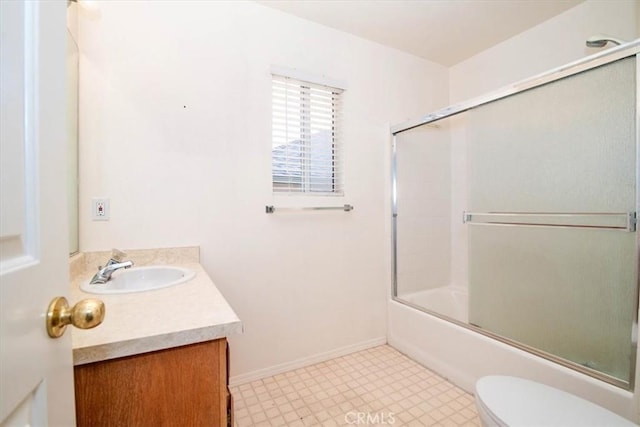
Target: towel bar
271,209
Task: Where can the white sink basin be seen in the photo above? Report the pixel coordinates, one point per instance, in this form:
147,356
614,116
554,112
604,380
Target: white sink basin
141,279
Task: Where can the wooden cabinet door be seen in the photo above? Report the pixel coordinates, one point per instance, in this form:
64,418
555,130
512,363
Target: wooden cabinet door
182,386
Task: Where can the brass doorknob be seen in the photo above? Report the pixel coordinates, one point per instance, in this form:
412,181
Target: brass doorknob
86,314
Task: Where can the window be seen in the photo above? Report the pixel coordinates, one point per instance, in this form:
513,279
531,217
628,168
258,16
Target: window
305,137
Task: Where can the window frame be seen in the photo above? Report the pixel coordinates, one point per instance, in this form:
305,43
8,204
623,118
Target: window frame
313,175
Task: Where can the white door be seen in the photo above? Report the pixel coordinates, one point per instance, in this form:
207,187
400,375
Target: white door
36,372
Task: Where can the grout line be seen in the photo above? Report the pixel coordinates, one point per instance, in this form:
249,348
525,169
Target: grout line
374,386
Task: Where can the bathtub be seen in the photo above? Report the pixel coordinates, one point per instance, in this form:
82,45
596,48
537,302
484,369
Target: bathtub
463,356
450,301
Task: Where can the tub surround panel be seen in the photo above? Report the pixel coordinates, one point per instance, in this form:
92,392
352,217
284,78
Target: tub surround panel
449,301
423,173
191,312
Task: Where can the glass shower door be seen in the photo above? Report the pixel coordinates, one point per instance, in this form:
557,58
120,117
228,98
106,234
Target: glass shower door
551,218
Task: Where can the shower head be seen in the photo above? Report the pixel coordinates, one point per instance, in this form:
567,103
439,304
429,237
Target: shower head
600,40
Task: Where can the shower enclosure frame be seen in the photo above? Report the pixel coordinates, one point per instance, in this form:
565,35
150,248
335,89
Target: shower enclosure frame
587,63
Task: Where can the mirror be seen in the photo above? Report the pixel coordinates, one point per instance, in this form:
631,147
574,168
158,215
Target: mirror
72,131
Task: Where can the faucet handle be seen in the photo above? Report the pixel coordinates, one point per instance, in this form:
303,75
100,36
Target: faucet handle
117,255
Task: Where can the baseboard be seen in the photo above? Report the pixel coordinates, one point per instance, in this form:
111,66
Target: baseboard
306,361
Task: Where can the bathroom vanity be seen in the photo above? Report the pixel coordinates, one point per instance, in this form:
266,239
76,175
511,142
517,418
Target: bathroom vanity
160,358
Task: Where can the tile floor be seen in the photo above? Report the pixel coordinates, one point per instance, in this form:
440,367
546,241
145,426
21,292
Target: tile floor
377,386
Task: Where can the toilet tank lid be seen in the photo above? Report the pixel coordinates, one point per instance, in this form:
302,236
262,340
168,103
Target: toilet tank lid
516,402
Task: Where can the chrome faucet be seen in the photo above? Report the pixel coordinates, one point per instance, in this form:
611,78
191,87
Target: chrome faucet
115,263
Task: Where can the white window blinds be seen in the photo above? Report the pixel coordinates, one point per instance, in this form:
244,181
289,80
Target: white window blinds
305,137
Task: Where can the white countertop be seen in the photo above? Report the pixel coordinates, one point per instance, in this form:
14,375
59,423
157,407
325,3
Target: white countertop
187,313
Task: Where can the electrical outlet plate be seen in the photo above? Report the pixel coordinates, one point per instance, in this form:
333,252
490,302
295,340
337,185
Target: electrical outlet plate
100,209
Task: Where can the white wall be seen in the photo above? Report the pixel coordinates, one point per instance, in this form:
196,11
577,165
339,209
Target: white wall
175,129
551,44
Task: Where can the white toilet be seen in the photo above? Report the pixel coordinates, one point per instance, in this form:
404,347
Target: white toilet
514,402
